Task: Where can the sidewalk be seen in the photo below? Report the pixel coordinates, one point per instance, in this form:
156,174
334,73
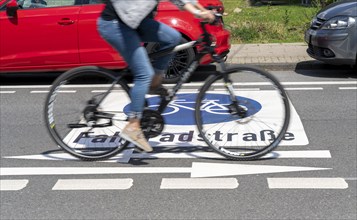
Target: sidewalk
286,56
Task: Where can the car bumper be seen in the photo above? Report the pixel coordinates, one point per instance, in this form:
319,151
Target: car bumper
333,47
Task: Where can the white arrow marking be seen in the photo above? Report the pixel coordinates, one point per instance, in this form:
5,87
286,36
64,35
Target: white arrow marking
197,170
223,169
126,155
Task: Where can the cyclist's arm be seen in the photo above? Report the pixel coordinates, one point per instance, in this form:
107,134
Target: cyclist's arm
195,8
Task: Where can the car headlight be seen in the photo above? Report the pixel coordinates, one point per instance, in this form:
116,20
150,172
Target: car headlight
340,22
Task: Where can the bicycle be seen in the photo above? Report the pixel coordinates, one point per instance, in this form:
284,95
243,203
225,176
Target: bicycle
86,123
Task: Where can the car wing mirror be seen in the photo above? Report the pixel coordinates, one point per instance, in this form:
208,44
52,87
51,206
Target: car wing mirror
11,8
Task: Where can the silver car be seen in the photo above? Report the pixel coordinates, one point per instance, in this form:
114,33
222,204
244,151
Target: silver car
332,37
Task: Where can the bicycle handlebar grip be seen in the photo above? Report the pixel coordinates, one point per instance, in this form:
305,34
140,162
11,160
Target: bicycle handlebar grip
218,17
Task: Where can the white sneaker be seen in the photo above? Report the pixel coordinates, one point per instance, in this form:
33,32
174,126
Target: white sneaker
136,137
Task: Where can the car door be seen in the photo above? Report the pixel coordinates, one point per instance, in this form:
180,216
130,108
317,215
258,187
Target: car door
40,34
93,49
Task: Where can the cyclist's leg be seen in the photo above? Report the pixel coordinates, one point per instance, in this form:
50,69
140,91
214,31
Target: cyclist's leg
128,43
151,30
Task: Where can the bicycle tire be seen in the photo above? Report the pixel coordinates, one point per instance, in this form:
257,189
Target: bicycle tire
265,119
67,113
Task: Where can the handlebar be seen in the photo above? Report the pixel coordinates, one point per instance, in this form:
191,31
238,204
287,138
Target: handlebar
206,38
218,18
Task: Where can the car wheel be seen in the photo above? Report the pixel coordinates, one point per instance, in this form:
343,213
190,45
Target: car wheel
178,64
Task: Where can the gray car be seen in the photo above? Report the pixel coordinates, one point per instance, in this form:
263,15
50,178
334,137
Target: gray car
332,37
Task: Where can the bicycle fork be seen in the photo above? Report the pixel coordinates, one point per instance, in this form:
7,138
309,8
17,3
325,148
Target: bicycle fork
234,108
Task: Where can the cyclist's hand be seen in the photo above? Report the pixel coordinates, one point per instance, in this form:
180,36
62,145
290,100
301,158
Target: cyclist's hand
207,16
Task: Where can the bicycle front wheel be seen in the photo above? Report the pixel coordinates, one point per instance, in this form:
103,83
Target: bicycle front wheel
85,112
244,116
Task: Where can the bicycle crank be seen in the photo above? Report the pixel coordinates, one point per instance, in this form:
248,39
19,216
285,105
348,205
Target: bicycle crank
152,123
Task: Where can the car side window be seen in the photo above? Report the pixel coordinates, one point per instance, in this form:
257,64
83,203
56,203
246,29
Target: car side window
25,4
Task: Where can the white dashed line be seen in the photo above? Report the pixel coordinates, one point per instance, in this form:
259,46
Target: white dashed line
7,92
307,183
302,89
38,91
347,88
199,183
12,185
93,184
245,89
60,91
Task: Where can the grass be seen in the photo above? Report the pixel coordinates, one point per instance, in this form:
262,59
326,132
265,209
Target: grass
267,23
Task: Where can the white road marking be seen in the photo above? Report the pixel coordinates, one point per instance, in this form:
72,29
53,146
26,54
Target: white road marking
46,91
98,91
7,92
39,91
307,183
347,88
199,183
67,91
245,89
198,169
192,84
302,89
226,169
283,83
12,185
126,155
320,83
19,171
93,184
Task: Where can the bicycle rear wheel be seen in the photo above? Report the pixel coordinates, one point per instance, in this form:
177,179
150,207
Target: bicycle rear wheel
247,124
84,114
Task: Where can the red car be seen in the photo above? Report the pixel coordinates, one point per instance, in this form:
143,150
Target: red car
57,35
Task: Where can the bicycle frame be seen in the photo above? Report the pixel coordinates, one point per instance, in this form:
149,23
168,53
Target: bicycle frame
205,43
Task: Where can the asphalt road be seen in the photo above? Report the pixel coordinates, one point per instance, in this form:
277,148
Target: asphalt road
306,180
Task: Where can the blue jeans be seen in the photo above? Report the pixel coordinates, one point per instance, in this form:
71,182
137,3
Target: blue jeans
128,43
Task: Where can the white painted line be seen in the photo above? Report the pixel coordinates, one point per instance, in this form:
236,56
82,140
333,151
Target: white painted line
46,91
126,155
67,91
283,83
299,154
321,83
199,183
274,154
7,92
188,90
347,88
98,91
39,91
351,178
18,171
25,87
307,88
93,184
307,183
198,169
190,84
246,89
12,185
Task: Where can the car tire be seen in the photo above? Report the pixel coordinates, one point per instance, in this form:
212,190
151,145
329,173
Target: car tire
178,64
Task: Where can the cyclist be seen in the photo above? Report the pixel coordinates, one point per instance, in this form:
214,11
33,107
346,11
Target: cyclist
124,24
